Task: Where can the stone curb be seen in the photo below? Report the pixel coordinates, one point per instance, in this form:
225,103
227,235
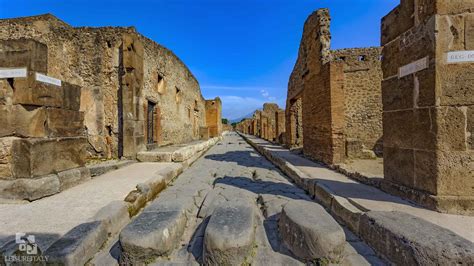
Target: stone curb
181,155
102,168
355,218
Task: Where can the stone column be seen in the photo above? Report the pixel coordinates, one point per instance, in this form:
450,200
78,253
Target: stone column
428,97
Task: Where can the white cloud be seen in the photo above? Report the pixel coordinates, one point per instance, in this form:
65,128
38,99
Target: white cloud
234,107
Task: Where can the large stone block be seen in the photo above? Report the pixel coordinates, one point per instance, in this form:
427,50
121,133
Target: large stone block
38,157
230,234
407,240
78,245
18,120
64,123
24,53
469,32
425,171
398,128
399,165
451,126
424,129
398,93
456,84
155,232
29,189
28,91
455,173
311,234
72,96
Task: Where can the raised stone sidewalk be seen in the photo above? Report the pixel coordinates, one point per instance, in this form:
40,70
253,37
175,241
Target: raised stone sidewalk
398,230
71,227
177,152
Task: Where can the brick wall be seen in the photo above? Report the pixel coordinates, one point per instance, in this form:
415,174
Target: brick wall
323,113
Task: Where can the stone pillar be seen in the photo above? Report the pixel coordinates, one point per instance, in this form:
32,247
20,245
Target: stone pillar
133,128
213,117
428,101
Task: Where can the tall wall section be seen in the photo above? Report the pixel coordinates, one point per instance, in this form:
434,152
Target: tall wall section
101,61
362,100
340,94
428,102
313,51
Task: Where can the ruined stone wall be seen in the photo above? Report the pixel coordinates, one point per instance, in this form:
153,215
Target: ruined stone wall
93,58
269,110
323,113
362,100
280,126
213,117
313,52
344,87
428,103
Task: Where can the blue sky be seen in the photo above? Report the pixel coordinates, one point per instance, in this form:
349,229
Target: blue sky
240,50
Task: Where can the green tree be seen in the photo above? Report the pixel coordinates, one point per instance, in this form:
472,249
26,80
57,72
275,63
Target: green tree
225,121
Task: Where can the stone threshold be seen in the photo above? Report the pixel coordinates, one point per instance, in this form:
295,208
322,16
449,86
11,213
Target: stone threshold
83,242
177,152
399,231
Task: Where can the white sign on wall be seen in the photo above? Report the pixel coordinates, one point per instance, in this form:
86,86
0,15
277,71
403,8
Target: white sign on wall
46,79
460,57
12,73
413,67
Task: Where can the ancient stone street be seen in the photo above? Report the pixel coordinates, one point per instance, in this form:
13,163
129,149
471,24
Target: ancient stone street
225,209
264,133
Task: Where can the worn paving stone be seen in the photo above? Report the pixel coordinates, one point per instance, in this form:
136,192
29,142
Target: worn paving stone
311,234
150,235
78,245
230,234
408,240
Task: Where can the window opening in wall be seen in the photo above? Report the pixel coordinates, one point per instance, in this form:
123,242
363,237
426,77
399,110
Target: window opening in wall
362,58
161,83
196,106
178,95
341,58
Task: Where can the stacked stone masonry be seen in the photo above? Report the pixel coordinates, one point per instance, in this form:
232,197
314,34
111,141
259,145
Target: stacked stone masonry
428,111
340,95
130,95
42,134
125,77
268,124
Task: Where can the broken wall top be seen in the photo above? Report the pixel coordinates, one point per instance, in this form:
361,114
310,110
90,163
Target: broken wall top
46,27
314,50
413,12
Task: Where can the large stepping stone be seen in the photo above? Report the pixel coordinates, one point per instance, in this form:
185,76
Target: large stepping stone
310,233
155,232
408,240
230,234
78,245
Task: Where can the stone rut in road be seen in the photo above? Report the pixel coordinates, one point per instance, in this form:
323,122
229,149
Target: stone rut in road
233,180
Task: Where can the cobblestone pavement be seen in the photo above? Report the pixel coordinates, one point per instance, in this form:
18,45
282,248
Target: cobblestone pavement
216,194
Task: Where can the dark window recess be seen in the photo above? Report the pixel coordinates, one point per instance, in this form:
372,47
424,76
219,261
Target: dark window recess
160,78
362,58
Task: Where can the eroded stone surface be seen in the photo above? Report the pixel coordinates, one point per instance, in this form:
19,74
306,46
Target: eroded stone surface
230,234
311,234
